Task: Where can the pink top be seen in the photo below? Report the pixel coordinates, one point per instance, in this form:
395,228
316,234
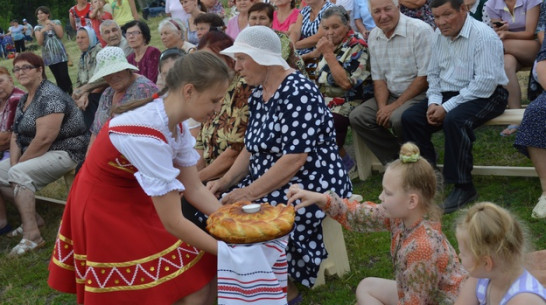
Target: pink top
283,27
232,28
147,66
8,113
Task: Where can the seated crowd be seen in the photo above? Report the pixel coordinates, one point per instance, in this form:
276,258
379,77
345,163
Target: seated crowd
258,108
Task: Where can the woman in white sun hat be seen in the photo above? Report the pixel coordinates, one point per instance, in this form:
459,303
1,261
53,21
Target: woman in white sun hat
124,85
289,140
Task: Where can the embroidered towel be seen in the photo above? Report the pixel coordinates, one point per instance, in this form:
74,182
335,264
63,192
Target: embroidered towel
253,274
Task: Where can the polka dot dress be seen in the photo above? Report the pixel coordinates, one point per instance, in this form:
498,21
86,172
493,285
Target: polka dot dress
296,120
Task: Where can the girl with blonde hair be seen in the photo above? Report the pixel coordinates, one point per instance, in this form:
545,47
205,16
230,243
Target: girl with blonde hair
492,246
426,267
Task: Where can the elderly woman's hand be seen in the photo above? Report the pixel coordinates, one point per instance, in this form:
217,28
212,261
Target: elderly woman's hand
83,101
306,198
325,46
217,187
242,194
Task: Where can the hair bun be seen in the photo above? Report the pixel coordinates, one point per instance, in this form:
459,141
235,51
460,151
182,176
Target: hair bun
409,153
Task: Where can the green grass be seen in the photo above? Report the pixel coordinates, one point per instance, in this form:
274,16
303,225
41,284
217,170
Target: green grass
24,280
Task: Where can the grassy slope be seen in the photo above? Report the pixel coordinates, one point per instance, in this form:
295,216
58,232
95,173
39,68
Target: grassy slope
24,280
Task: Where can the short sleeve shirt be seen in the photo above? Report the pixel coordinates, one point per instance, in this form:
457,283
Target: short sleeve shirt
497,9
398,60
51,99
17,32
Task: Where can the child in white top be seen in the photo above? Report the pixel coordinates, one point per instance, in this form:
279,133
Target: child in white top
491,245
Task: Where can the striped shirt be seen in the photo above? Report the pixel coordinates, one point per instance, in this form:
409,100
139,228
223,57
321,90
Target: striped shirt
525,283
310,28
398,60
471,64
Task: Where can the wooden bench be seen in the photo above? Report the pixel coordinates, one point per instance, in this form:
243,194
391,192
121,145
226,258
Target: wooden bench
68,179
366,161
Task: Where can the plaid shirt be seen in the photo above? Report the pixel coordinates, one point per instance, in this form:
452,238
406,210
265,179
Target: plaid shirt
398,60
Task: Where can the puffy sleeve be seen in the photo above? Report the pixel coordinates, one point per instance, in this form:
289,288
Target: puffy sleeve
154,160
185,153
355,216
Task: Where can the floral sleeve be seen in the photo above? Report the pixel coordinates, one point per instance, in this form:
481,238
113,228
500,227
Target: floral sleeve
427,268
355,216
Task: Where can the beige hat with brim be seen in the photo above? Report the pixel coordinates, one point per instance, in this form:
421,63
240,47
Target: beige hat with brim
109,61
261,43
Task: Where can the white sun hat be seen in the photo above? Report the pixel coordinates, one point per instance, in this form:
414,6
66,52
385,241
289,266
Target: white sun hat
261,43
110,60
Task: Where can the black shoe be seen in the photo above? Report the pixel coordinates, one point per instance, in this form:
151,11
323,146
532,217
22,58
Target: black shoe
458,198
145,13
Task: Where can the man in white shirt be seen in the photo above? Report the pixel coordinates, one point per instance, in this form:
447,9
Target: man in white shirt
466,78
400,50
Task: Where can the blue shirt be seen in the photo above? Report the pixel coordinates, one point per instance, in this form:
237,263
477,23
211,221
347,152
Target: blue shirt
471,64
362,11
17,32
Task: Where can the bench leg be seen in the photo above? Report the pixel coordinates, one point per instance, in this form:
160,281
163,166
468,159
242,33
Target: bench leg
337,262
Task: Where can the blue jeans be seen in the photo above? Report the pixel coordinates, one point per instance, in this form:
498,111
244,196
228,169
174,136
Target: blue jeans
155,11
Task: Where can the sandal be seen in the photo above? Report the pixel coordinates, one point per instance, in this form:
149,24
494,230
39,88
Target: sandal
297,300
25,246
510,130
16,232
6,229
540,209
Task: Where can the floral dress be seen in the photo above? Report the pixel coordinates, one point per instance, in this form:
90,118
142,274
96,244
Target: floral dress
426,267
294,121
227,129
352,54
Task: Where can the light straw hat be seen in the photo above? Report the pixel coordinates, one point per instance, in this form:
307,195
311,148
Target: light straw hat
260,43
109,61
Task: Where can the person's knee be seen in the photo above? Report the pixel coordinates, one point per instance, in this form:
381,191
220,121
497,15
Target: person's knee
365,288
510,63
410,118
363,117
18,175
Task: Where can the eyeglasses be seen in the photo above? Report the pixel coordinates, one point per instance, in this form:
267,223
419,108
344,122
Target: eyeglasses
133,33
172,52
24,68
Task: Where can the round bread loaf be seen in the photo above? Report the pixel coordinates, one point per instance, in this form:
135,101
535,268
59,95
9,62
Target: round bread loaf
233,225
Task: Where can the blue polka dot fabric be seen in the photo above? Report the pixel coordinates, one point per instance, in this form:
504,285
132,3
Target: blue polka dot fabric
296,120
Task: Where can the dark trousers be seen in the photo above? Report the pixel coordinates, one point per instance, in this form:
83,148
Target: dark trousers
20,46
89,112
193,214
458,127
341,125
60,72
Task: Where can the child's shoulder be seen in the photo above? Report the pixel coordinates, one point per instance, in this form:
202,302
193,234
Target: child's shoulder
428,235
526,298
